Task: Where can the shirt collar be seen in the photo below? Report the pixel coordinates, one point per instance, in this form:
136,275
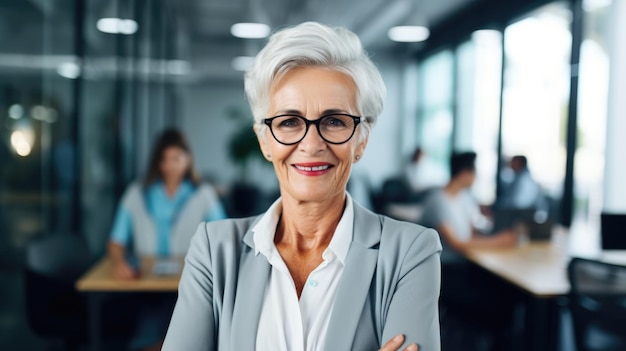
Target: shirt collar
265,229
184,188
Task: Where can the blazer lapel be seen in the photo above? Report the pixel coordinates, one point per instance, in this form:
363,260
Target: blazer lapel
254,271
355,280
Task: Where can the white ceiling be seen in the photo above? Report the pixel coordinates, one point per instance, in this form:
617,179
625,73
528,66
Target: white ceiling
211,19
203,27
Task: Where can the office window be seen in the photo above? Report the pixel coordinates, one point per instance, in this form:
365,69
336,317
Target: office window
476,127
592,112
536,93
435,111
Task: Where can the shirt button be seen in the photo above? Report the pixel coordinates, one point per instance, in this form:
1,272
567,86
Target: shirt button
313,283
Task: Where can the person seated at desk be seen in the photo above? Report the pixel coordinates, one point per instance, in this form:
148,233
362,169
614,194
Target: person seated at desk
454,213
519,189
157,218
316,271
422,173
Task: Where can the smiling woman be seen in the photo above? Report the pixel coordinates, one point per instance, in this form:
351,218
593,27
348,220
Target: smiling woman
316,271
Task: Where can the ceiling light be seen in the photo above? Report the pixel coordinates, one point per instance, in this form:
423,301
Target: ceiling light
43,114
592,5
250,30
16,111
486,35
242,63
408,34
21,140
117,26
69,70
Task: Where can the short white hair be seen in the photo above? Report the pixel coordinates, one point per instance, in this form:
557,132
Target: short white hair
312,44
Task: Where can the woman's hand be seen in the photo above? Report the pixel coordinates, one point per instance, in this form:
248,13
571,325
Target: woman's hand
123,271
394,343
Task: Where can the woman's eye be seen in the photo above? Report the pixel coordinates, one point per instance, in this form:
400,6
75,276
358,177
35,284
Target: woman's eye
290,122
334,122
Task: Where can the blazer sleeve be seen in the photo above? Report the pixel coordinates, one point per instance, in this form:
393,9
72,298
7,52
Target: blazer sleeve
192,327
414,308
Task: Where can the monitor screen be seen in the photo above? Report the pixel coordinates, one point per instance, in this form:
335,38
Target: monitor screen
613,231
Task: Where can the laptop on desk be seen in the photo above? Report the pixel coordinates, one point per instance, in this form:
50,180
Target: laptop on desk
536,223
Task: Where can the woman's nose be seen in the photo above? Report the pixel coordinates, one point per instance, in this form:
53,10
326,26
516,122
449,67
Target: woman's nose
312,141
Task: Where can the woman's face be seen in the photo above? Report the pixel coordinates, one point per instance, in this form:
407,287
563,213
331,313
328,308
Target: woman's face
174,163
312,170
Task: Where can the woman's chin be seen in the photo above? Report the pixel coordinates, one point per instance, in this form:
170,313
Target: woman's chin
311,195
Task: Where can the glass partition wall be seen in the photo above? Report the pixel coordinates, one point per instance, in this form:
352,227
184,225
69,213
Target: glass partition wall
435,96
78,105
477,120
535,94
509,92
592,112
38,124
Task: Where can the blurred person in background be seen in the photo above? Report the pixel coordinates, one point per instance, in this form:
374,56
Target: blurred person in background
456,215
316,271
519,189
156,217
423,173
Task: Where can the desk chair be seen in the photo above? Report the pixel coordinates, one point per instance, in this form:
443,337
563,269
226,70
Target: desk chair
54,309
397,199
598,304
243,200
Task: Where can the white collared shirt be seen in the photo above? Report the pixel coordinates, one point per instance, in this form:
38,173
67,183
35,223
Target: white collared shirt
287,324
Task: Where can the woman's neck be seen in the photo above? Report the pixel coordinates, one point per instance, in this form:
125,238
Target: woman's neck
171,186
309,226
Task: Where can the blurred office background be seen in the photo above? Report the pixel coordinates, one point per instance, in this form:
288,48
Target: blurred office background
81,99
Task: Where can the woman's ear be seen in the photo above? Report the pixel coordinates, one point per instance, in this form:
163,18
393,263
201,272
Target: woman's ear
265,149
360,149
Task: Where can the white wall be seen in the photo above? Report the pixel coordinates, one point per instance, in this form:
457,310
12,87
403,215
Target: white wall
204,109
615,163
205,119
384,154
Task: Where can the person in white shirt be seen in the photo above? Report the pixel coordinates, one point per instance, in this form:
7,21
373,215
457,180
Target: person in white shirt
456,215
465,290
317,271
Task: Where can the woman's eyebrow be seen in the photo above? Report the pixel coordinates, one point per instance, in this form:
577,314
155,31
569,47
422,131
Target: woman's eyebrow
299,113
289,112
333,111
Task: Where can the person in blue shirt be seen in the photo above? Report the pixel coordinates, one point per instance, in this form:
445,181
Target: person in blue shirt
157,217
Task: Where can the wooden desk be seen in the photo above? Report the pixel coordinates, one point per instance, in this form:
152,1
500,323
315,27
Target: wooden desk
539,271
99,281
537,268
540,268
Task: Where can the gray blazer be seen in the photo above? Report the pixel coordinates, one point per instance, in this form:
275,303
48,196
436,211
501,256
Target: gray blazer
390,285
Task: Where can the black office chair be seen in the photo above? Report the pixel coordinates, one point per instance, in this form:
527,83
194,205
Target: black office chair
54,308
598,304
243,200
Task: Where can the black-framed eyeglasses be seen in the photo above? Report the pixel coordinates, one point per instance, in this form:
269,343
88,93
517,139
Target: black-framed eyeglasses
336,128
